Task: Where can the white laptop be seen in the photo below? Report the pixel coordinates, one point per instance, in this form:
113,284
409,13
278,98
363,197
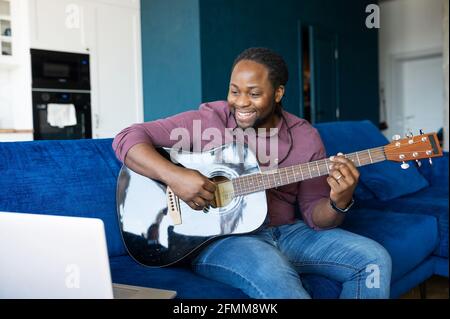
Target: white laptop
43,256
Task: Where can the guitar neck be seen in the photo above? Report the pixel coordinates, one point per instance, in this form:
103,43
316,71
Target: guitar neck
248,184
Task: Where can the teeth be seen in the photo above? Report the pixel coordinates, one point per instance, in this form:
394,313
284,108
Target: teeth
244,114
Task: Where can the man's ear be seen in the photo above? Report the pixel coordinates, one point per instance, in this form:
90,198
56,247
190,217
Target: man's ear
279,93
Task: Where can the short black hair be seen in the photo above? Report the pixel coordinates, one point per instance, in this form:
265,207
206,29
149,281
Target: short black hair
278,71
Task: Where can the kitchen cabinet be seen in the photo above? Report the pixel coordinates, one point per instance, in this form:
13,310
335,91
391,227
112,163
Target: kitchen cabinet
8,33
58,25
15,70
109,31
5,29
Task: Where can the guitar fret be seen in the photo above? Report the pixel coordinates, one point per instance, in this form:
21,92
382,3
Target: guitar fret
357,157
293,172
248,186
370,157
325,164
256,184
236,185
262,181
313,169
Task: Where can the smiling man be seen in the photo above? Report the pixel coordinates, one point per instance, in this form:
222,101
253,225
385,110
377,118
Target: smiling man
268,263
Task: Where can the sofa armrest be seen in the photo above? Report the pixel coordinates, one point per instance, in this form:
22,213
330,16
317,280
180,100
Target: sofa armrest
436,174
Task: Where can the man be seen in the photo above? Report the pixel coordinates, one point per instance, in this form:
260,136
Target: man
269,262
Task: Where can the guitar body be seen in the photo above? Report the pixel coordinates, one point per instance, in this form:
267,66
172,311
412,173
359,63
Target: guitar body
155,236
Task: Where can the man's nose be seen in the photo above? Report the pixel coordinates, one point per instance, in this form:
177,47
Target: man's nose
242,100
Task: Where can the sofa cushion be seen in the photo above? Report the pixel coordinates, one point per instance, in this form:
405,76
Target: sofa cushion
71,178
386,179
409,240
437,173
362,192
432,201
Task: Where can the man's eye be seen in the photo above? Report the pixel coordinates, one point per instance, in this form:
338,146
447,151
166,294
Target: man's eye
255,94
234,92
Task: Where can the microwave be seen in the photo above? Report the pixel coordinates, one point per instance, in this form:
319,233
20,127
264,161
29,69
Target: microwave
59,70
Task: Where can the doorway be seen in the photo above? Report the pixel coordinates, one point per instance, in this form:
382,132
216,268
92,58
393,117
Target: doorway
319,74
417,92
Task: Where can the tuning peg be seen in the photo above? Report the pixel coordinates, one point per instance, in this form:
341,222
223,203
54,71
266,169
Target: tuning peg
409,134
396,137
404,165
418,163
421,132
430,161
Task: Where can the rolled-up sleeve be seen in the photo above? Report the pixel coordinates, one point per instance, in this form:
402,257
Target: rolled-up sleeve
156,133
311,191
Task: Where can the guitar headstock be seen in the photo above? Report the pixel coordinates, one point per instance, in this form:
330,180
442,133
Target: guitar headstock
425,145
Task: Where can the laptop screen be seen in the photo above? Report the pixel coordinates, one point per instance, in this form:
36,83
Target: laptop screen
46,256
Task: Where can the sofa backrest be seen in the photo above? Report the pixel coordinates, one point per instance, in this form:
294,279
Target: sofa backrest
70,178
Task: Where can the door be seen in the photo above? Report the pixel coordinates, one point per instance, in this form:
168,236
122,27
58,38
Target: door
324,75
420,94
116,69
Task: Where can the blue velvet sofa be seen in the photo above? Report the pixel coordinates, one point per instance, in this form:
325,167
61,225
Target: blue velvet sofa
405,211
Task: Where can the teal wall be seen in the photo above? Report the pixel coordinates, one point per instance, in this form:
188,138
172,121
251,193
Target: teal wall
189,46
170,56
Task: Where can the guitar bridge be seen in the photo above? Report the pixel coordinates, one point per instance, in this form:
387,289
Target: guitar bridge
173,206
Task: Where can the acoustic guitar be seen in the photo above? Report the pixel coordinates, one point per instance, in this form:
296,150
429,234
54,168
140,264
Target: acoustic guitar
159,229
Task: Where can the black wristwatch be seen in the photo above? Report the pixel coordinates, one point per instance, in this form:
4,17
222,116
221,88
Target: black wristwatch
340,210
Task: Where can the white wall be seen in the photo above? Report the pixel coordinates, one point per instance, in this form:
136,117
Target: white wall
408,29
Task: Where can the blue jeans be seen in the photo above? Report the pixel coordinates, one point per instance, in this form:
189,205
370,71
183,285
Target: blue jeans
269,263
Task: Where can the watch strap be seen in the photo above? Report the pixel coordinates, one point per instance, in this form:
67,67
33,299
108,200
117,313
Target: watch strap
342,210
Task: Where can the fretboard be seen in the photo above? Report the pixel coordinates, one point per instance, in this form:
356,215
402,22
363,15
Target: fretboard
248,184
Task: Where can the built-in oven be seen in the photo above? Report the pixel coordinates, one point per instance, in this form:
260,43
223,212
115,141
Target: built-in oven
61,95
44,129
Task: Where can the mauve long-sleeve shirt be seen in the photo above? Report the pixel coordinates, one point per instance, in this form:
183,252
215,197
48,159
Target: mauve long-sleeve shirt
305,146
